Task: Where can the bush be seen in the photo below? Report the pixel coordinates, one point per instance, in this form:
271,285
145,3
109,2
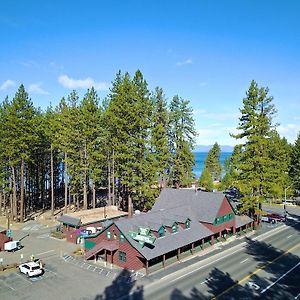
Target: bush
58,235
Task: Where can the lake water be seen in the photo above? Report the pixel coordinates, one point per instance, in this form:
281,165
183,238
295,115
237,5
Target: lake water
200,159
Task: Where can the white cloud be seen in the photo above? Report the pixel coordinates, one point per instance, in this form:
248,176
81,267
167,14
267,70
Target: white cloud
199,111
216,133
217,116
86,83
36,89
7,84
29,63
185,62
289,131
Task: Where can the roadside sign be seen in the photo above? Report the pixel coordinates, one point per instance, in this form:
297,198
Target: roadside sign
9,232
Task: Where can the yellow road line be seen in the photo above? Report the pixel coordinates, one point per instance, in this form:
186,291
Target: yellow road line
256,271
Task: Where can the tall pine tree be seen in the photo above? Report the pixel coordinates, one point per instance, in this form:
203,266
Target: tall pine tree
254,163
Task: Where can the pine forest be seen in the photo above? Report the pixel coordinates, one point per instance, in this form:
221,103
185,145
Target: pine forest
128,146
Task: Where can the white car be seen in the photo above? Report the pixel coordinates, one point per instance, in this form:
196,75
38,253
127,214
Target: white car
31,269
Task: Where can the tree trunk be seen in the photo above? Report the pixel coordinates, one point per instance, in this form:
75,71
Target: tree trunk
52,181
94,195
130,213
22,192
66,184
113,177
85,201
1,199
109,185
14,208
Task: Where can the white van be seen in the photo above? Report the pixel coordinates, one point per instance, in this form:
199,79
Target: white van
12,246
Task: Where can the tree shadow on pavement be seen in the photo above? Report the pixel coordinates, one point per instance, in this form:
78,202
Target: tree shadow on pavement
123,286
217,282
276,263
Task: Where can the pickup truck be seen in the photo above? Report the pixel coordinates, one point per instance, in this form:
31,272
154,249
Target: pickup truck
273,218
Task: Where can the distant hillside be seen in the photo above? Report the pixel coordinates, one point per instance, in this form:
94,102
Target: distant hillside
206,148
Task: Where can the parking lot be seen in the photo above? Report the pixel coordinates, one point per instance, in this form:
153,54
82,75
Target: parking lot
64,278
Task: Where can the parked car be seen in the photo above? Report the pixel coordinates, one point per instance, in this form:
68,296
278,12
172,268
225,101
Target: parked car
31,269
276,217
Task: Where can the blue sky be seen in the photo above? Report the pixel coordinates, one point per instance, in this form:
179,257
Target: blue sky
204,51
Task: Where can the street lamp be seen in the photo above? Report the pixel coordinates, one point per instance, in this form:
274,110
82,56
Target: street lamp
284,206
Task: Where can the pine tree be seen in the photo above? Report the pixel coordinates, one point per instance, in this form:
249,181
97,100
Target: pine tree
19,137
254,163
93,143
129,119
160,142
212,162
206,180
279,154
182,134
294,170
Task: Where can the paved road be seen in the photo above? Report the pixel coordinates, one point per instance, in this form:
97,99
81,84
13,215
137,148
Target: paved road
267,269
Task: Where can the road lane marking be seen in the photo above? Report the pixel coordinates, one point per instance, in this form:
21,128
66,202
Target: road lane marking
244,260
297,296
207,280
239,247
289,236
256,271
197,269
290,270
44,252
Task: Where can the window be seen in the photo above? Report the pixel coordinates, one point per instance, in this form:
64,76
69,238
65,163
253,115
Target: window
187,224
108,234
122,238
161,232
174,228
122,256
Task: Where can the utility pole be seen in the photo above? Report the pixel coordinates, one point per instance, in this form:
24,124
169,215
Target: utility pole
284,205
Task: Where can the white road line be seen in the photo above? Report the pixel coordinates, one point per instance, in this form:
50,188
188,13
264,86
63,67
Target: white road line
8,285
45,252
289,236
297,296
212,262
244,260
290,270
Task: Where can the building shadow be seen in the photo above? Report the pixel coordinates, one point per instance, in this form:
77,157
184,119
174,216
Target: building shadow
123,286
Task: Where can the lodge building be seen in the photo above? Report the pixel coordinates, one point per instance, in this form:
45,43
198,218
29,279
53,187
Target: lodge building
180,223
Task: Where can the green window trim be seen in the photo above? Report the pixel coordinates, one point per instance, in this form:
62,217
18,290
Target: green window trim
122,256
161,232
223,219
122,238
187,224
174,228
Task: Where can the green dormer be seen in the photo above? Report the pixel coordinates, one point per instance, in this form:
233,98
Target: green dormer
174,228
161,231
187,224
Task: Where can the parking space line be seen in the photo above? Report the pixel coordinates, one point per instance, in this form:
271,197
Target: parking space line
28,281
7,285
45,252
